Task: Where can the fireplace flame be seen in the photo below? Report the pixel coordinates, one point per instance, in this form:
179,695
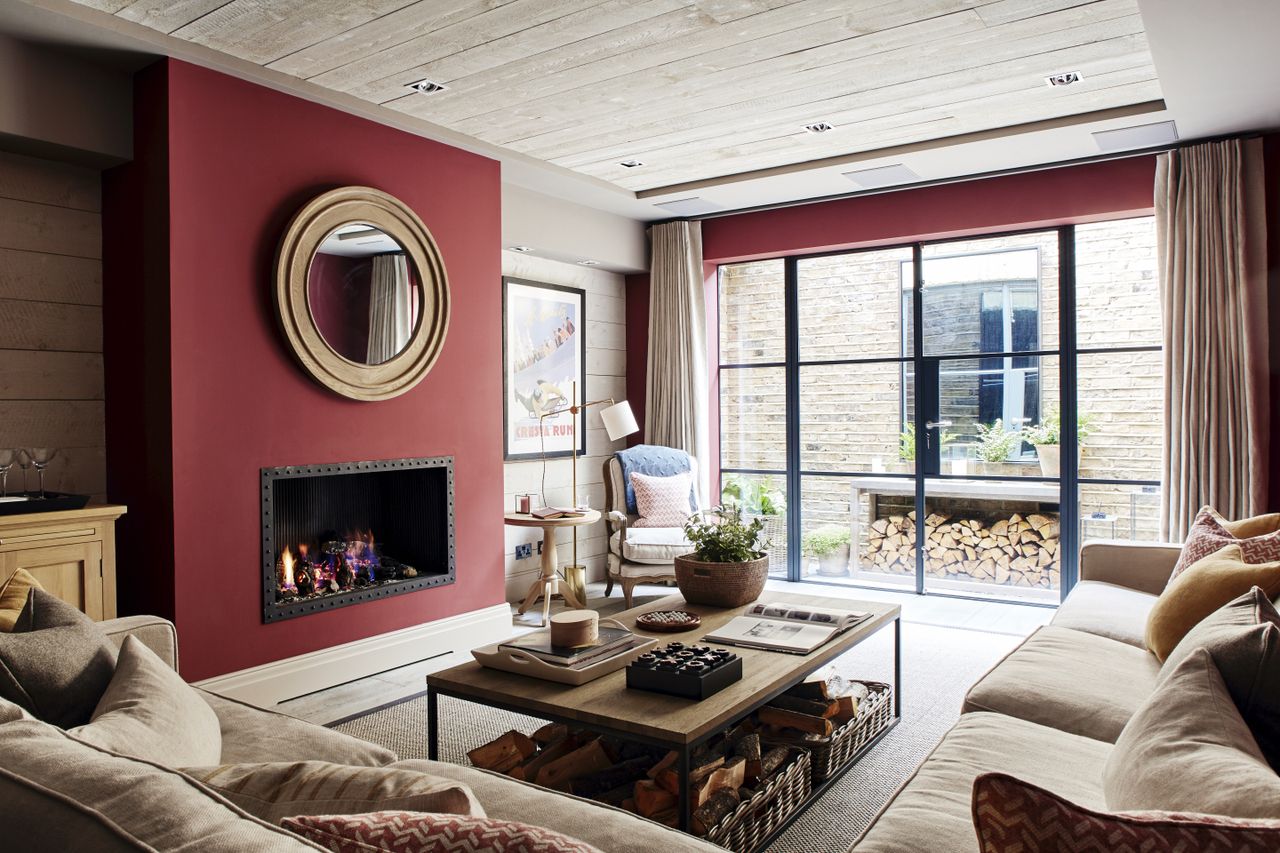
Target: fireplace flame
287,560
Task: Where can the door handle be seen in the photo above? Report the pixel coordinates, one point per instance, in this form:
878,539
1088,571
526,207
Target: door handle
936,424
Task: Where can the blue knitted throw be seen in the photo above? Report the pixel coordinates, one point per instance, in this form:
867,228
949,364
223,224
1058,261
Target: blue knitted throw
653,461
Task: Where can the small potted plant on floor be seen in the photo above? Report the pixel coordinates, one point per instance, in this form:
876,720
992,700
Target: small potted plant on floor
1046,437
830,547
729,563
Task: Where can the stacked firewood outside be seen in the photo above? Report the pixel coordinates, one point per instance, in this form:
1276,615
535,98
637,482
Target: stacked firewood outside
724,772
1016,550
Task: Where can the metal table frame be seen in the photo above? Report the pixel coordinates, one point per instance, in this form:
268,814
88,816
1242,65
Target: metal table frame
685,750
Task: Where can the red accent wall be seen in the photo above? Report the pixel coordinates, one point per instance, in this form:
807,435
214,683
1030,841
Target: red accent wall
238,161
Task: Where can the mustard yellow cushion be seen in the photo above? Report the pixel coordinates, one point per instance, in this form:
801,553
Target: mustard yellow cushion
1205,586
13,596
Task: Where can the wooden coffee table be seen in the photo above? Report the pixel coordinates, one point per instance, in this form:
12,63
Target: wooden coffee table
608,707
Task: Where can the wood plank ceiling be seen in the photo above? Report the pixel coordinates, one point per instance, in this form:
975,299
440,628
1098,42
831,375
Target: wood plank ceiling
694,89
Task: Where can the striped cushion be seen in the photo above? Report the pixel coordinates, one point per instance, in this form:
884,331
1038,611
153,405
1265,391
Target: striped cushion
1011,815
282,789
408,832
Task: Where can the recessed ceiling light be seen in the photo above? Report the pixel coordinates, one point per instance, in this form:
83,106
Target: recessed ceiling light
1138,136
819,127
882,176
426,87
589,263
693,206
520,248
1065,78
631,164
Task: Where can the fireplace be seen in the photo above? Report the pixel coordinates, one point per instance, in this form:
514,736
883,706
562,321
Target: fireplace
346,533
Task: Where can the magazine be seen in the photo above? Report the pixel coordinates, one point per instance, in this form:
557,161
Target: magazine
538,643
797,629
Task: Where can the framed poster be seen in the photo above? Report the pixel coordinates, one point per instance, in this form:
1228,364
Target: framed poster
544,351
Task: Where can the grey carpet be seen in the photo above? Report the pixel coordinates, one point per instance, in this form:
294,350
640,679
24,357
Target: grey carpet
938,666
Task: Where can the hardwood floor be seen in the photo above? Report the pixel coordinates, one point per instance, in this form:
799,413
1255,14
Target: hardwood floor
357,697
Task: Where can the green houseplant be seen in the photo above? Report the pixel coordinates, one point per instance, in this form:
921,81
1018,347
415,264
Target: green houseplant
830,547
730,559
996,443
758,497
1046,437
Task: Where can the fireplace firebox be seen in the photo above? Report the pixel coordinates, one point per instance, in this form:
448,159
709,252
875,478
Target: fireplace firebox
346,533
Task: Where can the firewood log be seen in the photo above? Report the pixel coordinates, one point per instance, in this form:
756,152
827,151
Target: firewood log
584,760
720,804
550,733
670,777
593,784
528,771
617,796
816,690
504,753
749,748
667,817
652,798
790,719
846,710
667,761
772,760
803,706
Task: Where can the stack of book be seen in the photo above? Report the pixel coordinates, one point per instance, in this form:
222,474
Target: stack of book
611,641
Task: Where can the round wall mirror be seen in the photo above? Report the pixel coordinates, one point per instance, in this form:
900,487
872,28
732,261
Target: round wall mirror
361,293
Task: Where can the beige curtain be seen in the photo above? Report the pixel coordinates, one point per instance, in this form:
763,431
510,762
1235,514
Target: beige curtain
1211,231
675,413
390,312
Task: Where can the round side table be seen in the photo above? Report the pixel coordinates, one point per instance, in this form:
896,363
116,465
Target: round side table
548,584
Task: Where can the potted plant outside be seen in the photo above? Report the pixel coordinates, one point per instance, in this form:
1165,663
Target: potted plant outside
830,547
757,497
729,563
996,443
1046,437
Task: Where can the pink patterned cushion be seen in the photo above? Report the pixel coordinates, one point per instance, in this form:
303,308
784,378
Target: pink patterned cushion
1010,815
426,832
1258,538
662,501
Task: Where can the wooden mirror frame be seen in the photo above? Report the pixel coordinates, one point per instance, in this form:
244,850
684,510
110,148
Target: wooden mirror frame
307,230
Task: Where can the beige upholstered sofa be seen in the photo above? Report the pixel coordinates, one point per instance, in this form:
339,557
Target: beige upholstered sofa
54,794
1049,713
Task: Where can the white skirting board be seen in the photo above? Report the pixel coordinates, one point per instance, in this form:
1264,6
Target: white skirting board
448,641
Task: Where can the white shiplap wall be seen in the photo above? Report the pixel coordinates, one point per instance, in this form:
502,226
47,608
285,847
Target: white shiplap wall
606,377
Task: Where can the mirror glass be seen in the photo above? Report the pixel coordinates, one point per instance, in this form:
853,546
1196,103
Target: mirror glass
364,293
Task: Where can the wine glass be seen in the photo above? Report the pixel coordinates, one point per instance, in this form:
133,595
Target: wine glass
41,457
7,457
24,462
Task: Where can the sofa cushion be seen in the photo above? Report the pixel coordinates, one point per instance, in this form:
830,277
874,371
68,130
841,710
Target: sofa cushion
933,810
1243,638
56,663
1069,680
277,790
149,712
1205,586
661,501
653,546
69,795
1258,538
605,827
251,735
1108,610
411,832
1188,749
13,597
1010,814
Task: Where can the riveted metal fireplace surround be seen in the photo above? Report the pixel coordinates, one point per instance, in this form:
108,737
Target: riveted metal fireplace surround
351,532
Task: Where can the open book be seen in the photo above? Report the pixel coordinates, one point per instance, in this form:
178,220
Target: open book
798,629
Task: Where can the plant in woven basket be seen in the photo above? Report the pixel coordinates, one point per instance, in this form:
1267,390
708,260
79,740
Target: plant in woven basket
727,538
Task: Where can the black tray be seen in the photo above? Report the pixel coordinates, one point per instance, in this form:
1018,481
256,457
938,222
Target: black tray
682,684
52,502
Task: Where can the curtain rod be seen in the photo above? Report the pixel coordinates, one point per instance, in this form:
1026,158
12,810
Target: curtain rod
936,182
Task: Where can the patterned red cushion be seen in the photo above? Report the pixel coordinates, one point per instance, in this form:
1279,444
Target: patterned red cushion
661,501
426,832
1012,816
1258,538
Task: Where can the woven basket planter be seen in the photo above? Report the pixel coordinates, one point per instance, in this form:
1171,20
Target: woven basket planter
721,584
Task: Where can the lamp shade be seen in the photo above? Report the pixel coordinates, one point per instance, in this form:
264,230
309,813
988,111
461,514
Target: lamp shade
619,421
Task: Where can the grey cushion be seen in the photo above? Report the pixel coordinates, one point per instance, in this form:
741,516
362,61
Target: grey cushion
251,735
933,810
1188,749
67,795
1243,638
149,712
1111,611
607,828
56,663
1069,680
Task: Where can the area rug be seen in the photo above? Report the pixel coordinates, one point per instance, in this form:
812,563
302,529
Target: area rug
938,666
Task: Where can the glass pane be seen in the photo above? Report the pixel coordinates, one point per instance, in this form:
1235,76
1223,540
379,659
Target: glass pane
986,404
851,305
994,539
882,518
1121,407
855,417
1117,289
753,418
762,496
834,535
998,294
752,308
1120,512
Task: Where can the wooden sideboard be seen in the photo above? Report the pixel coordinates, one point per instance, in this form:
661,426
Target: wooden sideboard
72,554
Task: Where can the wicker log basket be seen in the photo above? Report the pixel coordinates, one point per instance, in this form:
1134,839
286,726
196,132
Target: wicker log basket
721,584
